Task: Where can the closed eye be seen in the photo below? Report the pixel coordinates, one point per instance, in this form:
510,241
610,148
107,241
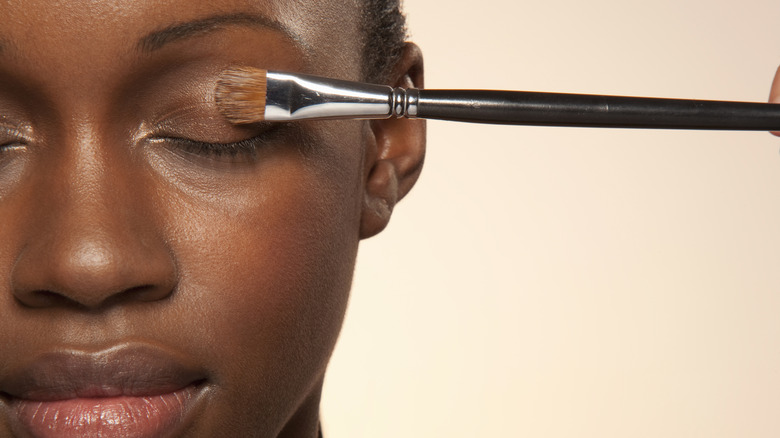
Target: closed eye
247,147
12,139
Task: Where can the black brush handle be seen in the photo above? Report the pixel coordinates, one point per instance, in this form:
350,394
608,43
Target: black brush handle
560,109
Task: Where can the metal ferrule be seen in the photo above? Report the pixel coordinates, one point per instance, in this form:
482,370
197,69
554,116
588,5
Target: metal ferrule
297,96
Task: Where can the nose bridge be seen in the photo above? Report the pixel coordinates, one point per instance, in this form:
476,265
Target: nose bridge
98,171
94,239
89,181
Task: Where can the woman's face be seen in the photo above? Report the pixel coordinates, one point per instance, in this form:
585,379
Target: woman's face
162,271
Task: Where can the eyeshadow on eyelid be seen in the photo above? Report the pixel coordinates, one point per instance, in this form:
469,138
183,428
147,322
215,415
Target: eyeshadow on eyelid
181,111
197,121
23,131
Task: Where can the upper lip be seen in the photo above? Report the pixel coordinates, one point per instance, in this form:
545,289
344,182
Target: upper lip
134,370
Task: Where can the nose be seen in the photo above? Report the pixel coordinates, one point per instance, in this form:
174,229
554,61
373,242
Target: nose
93,238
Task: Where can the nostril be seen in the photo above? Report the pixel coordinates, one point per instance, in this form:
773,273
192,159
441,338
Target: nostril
148,292
137,294
45,298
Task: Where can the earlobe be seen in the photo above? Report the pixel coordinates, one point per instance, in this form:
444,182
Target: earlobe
395,156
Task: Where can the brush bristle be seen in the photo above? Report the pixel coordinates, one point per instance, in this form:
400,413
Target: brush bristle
240,94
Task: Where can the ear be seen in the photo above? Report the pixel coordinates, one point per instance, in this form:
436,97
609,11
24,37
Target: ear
774,93
394,156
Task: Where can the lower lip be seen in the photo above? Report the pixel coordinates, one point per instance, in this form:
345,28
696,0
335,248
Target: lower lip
124,416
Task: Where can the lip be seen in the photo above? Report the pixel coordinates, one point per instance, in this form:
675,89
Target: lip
133,391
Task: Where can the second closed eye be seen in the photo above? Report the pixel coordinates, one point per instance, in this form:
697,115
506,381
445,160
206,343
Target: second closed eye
199,129
245,148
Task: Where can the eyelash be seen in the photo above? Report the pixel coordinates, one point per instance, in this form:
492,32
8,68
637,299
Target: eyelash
247,146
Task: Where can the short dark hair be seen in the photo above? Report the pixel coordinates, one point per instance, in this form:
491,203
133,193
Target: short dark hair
384,28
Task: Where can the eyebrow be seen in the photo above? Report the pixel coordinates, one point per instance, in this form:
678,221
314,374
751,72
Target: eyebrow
176,32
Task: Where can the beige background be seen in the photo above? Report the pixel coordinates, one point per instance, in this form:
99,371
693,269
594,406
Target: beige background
560,282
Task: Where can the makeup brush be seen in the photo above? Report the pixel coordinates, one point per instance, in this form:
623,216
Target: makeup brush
250,95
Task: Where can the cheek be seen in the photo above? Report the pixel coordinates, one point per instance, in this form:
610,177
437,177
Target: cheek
266,264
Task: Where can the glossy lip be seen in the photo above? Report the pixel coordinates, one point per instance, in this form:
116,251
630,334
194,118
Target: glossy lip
127,390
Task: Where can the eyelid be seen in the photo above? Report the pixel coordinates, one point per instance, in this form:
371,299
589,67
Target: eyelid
200,113
17,130
179,112
11,134
199,120
259,132
247,147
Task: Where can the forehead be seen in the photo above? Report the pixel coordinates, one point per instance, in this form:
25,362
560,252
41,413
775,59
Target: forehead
105,38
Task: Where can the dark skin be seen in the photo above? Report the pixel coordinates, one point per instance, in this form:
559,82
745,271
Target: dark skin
123,223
